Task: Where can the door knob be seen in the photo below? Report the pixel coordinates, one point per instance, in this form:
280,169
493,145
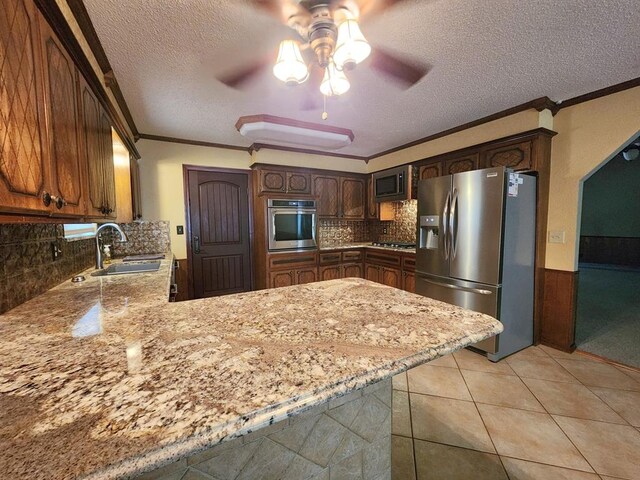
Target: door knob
196,244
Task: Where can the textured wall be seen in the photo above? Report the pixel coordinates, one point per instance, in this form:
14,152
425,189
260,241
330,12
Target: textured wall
27,268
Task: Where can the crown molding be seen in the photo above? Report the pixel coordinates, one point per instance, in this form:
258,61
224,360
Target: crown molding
185,141
603,92
259,146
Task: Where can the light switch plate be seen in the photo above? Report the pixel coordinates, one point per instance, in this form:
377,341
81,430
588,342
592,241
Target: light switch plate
556,236
180,230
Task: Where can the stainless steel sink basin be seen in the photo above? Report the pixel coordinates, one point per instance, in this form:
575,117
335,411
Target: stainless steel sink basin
124,268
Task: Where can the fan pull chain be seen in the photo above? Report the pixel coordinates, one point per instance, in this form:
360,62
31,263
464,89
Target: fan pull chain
325,115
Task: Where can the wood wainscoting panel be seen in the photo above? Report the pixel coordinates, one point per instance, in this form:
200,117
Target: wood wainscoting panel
559,309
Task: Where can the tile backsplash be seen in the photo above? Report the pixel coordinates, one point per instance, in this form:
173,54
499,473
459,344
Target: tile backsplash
403,228
27,268
144,238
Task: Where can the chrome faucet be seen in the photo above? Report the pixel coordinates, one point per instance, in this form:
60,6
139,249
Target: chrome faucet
116,227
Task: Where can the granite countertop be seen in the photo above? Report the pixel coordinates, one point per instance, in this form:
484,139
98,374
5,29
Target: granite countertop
106,379
346,246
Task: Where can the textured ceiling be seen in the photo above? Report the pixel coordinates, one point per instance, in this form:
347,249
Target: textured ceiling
485,57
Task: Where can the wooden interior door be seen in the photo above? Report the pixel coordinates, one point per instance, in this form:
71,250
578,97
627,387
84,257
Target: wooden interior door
24,168
219,218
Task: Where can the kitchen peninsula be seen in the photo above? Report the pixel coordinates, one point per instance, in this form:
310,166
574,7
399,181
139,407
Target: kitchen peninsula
106,379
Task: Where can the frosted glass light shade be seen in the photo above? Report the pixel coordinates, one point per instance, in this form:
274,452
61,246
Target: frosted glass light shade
290,67
351,47
335,82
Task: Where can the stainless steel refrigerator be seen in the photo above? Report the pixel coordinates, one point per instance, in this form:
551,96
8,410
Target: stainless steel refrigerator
476,249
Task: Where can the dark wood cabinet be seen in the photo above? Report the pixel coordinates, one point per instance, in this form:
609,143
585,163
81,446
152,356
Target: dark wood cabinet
351,270
352,196
298,183
98,154
306,275
392,277
517,157
61,89
282,181
372,205
373,273
330,272
464,163
284,278
409,281
326,189
136,194
430,170
25,173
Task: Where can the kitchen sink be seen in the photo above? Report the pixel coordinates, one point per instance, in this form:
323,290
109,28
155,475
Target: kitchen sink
124,268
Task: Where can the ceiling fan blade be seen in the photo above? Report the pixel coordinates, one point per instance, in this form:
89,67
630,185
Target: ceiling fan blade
240,78
368,8
402,72
282,10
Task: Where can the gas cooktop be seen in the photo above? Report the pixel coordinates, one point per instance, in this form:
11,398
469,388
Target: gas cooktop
406,245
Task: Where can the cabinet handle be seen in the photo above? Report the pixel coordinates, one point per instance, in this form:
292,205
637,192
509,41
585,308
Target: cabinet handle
46,199
110,210
103,210
59,202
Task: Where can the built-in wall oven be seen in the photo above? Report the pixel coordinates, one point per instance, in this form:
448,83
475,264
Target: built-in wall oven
291,224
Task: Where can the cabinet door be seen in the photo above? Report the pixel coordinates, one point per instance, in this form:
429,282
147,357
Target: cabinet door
92,150
431,170
352,196
391,277
284,278
372,272
352,270
462,164
372,205
326,189
136,195
61,86
330,272
306,275
517,156
409,281
109,179
24,164
273,181
299,183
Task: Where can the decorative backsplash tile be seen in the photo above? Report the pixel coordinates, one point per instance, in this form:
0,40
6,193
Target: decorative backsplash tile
27,268
144,238
402,229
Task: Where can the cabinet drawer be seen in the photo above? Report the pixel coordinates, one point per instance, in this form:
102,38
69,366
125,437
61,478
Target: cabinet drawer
330,257
409,263
383,258
292,260
352,256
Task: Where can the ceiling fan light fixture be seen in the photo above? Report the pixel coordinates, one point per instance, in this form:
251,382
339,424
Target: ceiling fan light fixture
290,67
351,47
335,82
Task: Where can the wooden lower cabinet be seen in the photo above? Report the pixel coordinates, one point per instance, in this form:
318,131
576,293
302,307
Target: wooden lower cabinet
306,275
286,278
352,270
409,281
392,277
373,273
330,272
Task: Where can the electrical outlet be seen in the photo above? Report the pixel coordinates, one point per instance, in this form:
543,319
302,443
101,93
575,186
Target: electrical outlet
56,253
384,230
556,236
180,230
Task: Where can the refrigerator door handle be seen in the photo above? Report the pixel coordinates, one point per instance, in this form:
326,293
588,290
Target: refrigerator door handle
453,223
445,225
479,291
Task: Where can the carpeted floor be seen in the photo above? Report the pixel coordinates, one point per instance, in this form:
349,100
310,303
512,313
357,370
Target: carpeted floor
608,321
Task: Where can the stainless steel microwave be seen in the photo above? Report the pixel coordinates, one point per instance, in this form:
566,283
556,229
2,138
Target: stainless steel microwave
291,224
392,185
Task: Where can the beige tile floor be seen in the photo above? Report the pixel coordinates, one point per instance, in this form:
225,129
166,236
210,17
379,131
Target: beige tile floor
539,414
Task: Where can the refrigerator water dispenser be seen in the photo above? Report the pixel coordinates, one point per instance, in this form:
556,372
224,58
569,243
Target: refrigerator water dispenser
429,231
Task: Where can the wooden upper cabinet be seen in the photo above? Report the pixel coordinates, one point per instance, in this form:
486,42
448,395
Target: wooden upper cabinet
326,189
136,194
24,162
299,183
280,181
430,170
61,84
372,205
273,181
517,157
108,169
465,163
352,196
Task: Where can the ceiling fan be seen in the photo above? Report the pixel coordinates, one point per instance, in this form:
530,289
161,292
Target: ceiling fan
327,43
